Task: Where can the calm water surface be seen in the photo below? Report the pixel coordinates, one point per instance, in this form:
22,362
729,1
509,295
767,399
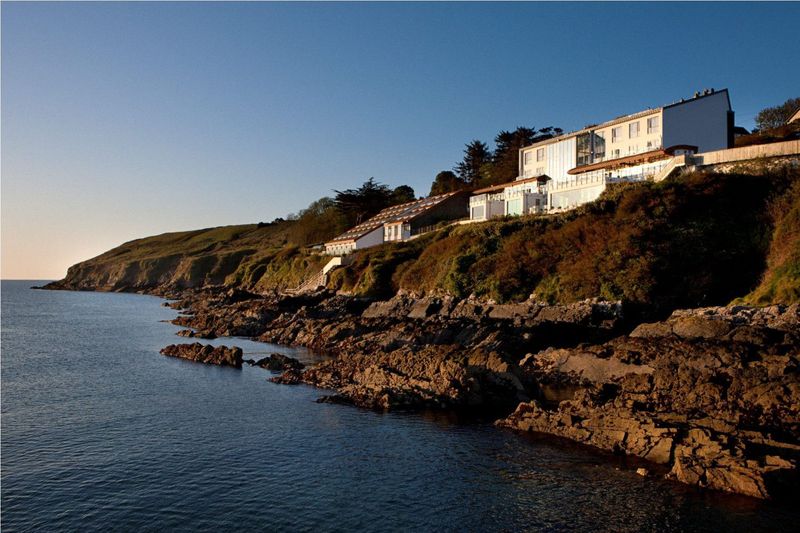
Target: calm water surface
100,432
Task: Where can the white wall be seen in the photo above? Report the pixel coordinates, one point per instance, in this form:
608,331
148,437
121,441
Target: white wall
701,122
477,212
373,238
628,145
560,158
495,208
339,248
575,197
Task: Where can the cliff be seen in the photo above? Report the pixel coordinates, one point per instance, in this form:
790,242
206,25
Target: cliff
257,257
717,237
538,320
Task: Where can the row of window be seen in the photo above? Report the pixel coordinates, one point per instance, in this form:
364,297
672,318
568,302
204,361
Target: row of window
394,233
634,149
540,155
598,143
653,126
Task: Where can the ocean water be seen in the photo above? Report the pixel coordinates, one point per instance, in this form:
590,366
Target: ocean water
100,432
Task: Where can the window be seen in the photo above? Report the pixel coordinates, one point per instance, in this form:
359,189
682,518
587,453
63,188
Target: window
528,157
616,153
599,146
616,134
652,125
583,146
540,154
514,207
633,130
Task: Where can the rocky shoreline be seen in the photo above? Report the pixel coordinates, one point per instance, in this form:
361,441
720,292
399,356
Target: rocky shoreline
711,395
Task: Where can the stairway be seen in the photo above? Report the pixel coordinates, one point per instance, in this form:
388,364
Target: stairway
320,279
676,163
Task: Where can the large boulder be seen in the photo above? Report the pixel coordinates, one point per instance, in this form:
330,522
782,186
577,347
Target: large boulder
205,353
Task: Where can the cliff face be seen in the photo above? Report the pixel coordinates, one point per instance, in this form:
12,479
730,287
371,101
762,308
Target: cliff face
717,237
255,257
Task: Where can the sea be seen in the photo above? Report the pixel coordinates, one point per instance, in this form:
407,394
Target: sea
102,433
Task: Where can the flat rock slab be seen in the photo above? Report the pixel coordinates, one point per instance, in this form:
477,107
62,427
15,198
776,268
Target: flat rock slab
205,353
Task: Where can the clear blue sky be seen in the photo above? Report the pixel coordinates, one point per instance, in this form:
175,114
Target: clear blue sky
121,120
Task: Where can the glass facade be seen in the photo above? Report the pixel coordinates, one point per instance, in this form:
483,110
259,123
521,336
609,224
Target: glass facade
589,148
599,146
583,147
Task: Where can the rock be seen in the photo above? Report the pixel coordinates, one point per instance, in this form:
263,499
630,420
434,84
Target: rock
712,393
205,353
692,327
649,330
643,472
279,362
292,376
196,334
424,308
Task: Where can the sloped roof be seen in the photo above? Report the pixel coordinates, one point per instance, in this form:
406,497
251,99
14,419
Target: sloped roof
395,213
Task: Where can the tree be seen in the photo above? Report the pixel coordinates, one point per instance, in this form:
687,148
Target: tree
357,205
774,117
446,181
505,163
476,154
318,222
402,195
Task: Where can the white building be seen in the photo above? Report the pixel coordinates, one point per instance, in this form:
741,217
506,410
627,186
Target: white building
521,197
400,222
794,117
631,147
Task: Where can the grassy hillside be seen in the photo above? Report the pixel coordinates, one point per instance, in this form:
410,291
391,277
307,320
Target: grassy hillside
257,257
781,279
702,239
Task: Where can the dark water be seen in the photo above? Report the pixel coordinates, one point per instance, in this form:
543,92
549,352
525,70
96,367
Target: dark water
99,431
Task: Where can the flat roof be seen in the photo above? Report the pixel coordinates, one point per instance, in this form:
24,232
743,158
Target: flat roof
508,184
624,118
644,157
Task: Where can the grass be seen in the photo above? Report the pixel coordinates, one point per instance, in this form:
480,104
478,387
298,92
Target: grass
701,239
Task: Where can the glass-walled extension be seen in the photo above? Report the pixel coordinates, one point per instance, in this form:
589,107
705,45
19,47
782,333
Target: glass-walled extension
590,147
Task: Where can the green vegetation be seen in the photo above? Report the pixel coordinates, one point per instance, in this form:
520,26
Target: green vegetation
255,256
775,117
701,239
482,166
357,205
781,280
771,125
446,181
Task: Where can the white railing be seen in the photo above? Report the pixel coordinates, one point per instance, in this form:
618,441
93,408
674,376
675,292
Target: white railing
320,279
477,200
597,177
